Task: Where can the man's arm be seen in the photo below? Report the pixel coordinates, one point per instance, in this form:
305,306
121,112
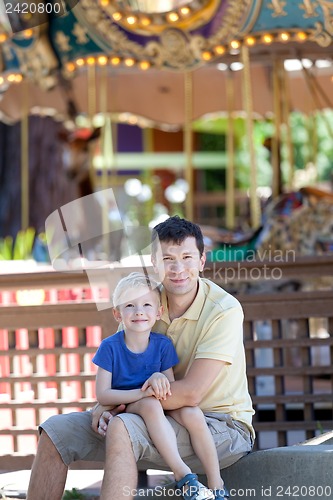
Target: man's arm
193,387
186,392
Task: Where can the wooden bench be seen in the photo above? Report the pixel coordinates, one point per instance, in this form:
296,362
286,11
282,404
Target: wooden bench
289,360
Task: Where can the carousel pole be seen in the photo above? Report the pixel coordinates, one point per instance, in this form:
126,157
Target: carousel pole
286,108
148,147
91,91
25,159
230,184
103,109
316,90
255,210
108,158
188,143
276,143
313,136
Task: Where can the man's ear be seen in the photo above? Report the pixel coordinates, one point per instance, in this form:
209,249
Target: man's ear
202,261
153,261
116,314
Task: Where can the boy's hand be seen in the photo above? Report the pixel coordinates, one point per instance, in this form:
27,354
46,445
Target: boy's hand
160,385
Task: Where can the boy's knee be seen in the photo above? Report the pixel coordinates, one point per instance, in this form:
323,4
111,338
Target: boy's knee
191,412
150,406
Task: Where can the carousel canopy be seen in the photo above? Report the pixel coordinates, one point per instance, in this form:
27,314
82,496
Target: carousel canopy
131,55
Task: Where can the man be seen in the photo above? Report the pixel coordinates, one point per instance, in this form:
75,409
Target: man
205,324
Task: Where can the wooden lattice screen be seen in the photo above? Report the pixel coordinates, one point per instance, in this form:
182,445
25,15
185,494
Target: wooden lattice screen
289,352
46,350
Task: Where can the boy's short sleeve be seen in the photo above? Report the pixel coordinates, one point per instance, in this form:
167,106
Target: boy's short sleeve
169,356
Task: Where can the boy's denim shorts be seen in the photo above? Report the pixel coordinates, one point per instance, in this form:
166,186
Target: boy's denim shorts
75,439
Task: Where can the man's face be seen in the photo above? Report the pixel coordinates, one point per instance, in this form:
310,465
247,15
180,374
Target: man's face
179,265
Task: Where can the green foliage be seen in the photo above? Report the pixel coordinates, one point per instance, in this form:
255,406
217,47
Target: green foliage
262,130
311,137
6,248
21,248
211,142
73,494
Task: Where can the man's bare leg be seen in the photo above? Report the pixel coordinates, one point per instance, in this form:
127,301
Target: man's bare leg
48,473
120,472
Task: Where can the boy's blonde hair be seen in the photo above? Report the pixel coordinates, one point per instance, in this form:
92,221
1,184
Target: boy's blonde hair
134,280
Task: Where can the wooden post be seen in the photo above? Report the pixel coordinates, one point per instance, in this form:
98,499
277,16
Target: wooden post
230,181
247,94
25,158
188,143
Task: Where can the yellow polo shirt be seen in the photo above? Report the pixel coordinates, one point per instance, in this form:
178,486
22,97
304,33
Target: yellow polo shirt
212,328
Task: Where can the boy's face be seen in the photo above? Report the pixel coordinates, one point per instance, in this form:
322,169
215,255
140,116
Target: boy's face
179,266
140,310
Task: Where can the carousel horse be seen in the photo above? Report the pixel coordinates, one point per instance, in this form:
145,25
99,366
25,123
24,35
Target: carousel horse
302,226
86,221
300,221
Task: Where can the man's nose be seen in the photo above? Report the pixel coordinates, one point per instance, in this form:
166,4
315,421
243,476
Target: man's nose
177,267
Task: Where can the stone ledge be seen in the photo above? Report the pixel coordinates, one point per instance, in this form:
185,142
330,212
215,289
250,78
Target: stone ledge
288,472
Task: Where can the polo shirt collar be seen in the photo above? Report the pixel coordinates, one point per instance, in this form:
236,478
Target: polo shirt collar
193,312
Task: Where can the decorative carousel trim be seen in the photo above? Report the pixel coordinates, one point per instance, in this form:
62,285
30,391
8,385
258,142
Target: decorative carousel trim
3,37
309,9
277,6
9,78
174,49
233,20
186,17
327,8
179,50
321,36
264,38
254,12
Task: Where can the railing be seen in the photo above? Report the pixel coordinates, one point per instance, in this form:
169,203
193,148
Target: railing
46,350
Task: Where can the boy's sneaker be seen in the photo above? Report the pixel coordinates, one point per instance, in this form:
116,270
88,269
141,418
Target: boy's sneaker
191,489
221,494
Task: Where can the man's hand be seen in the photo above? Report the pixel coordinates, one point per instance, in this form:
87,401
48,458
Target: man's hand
101,416
160,385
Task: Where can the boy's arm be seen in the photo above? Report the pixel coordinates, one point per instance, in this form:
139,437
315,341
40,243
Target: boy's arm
107,396
159,382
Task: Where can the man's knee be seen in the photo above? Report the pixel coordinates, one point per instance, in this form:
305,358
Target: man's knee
47,449
116,430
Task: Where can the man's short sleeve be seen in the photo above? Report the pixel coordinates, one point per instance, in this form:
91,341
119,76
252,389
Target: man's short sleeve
223,335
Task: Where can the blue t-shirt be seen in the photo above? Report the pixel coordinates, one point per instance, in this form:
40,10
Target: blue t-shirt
129,369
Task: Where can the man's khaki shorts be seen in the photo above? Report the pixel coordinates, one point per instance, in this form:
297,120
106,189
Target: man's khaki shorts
74,439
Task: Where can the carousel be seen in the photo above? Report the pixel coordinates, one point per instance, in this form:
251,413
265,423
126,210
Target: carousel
94,65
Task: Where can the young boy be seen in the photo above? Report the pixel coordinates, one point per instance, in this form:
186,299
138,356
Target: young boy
135,369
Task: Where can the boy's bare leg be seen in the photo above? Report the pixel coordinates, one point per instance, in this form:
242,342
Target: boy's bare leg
161,433
202,442
120,471
48,473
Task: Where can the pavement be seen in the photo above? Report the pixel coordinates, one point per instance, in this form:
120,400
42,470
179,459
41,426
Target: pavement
87,482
